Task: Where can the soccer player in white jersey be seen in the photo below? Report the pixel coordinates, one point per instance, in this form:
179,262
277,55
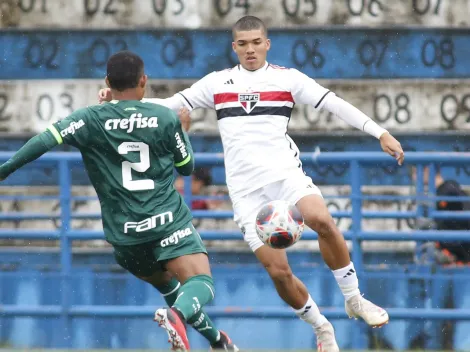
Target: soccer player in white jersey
254,101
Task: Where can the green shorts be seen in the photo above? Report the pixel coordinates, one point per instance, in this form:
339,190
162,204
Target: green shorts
145,259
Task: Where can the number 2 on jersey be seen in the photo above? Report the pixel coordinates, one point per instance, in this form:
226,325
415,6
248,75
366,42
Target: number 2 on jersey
142,166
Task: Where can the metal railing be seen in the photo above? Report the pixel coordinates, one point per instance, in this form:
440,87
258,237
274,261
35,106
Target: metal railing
356,162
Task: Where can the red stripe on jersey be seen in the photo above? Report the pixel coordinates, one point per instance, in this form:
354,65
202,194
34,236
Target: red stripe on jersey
277,67
264,96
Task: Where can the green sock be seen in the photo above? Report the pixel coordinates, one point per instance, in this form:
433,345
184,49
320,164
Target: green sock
204,325
169,291
194,294
200,321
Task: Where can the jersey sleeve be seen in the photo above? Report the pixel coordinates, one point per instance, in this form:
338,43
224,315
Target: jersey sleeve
72,130
174,103
181,147
306,90
200,94
33,149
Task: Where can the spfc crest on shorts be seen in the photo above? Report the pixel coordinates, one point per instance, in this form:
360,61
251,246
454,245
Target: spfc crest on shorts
248,101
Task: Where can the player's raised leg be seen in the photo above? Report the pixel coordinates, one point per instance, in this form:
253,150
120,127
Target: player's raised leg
336,255
184,255
201,322
196,291
294,293
142,261
288,286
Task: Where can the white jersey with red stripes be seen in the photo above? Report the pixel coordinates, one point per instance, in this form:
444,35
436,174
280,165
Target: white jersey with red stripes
253,111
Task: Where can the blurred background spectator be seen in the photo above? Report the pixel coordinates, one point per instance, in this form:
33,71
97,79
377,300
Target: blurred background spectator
447,252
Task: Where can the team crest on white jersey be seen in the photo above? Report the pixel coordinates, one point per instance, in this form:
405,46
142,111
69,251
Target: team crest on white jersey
248,101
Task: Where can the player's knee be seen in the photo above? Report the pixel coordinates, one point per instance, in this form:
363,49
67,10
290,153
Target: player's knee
204,282
279,272
210,285
209,282
158,279
323,224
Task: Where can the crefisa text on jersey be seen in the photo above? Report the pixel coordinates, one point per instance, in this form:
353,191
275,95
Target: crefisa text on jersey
175,237
180,145
72,128
133,122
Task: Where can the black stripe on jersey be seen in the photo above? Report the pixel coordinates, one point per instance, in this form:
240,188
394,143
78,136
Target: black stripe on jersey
323,97
260,110
191,105
290,145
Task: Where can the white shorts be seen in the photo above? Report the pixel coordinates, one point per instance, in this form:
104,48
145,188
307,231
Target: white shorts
245,208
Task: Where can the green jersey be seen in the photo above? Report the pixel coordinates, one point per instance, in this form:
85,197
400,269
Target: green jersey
130,149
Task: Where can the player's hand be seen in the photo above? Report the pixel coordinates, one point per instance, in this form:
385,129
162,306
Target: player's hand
185,119
104,95
392,147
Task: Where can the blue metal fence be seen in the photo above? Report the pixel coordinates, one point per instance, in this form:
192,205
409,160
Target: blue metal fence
357,162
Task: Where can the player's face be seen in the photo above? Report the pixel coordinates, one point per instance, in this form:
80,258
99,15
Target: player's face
251,48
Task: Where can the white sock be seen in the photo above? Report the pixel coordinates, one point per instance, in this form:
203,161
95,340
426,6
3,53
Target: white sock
347,281
311,314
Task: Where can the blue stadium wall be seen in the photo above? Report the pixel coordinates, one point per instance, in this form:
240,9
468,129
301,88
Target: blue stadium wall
404,63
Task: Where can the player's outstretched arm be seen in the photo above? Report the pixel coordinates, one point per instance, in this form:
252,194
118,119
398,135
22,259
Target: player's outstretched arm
306,91
174,103
199,95
356,118
392,147
33,149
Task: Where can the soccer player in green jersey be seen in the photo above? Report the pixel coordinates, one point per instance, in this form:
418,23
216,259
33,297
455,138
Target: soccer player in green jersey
130,149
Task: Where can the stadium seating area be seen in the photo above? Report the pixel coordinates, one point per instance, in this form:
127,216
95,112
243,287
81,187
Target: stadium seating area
404,63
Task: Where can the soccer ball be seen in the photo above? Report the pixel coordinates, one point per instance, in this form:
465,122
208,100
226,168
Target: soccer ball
279,224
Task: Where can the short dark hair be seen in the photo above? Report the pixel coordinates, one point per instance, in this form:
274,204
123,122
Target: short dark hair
203,174
249,23
124,70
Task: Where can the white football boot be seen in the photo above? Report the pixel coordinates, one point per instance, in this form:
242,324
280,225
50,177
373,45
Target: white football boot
373,315
326,341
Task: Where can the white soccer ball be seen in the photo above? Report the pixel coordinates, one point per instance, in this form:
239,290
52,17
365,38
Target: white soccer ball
279,224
